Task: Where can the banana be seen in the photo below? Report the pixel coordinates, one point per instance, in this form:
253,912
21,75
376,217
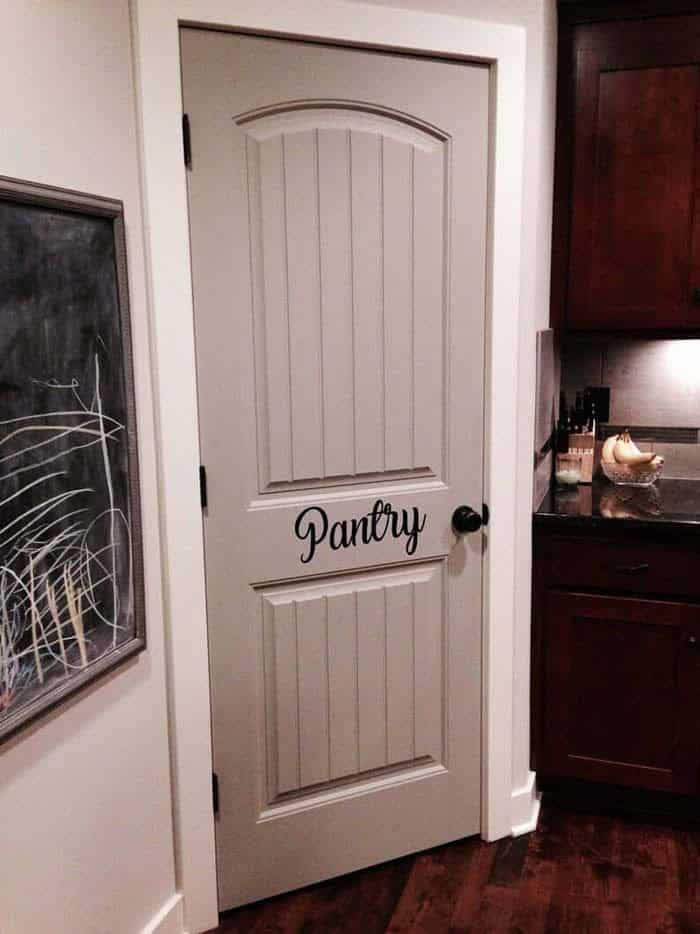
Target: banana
623,455
627,452
608,449
633,446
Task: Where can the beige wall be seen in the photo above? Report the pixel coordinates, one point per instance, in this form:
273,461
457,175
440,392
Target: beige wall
85,805
539,19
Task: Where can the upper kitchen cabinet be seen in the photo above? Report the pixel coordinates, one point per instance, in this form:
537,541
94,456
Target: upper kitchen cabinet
626,247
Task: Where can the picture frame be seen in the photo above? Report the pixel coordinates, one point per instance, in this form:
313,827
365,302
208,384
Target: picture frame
71,559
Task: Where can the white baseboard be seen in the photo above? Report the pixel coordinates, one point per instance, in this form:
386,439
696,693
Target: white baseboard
525,807
170,919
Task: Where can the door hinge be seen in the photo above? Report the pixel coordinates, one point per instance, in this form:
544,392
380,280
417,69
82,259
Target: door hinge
485,514
203,497
215,792
186,141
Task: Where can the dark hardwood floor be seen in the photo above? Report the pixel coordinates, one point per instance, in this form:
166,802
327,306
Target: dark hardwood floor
578,874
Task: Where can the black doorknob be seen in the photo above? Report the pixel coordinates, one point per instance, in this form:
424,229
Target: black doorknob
465,519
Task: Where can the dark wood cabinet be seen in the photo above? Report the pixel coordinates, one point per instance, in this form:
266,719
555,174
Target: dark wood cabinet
616,675
626,245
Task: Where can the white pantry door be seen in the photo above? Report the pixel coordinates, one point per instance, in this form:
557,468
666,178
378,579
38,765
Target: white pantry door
338,203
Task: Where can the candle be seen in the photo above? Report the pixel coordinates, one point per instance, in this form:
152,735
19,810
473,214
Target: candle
568,469
568,476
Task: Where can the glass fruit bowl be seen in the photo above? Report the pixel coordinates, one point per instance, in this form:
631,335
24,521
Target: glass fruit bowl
629,475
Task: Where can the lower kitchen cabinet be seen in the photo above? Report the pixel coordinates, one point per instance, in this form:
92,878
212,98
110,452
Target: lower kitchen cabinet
616,674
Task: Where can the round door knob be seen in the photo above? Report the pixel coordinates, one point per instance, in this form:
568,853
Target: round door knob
465,519
692,642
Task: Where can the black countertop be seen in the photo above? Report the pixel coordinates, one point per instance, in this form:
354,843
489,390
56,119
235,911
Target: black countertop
668,505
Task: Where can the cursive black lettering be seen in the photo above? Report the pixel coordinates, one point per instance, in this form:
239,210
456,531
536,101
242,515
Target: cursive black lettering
362,526
415,530
339,537
312,525
315,529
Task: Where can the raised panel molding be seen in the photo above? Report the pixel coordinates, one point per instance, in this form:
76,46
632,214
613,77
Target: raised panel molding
353,677
338,312
302,116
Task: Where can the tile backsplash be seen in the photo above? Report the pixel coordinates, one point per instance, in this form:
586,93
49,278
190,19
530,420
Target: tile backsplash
653,383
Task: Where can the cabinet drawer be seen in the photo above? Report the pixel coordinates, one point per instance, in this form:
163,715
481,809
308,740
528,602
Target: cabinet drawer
624,567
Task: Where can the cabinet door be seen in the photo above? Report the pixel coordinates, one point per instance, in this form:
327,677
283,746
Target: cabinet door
634,247
621,691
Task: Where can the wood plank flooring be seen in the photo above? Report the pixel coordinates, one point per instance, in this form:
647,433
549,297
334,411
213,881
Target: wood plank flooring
578,874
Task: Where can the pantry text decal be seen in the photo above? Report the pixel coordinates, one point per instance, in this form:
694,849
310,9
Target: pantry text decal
312,526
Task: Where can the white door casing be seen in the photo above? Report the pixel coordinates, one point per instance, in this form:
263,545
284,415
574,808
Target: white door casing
339,270
156,41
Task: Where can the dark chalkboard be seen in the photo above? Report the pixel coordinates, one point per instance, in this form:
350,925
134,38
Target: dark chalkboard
71,590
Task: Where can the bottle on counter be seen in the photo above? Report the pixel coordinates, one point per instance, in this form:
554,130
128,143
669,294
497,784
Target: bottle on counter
582,437
592,417
563,431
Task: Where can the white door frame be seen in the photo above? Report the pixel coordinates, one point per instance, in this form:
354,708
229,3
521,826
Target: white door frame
156,40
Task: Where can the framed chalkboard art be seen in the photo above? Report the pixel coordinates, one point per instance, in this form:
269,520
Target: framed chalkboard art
71,572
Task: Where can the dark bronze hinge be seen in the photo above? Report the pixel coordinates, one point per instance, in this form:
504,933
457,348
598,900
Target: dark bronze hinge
215,792
203,496
186,141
